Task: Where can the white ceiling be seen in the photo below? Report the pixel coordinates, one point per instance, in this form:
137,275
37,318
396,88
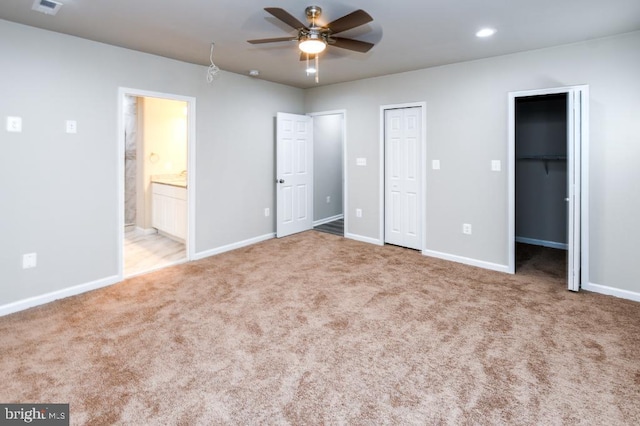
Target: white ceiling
409,34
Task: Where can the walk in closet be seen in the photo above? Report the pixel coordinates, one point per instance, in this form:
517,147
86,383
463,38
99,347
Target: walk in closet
541,171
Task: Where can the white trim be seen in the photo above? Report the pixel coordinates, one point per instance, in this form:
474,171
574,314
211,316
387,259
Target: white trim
191,167
466,260
584,187
423,137
584,174
612,291
21,305
147,231
344,159
364,239
328,219
233,246
543,243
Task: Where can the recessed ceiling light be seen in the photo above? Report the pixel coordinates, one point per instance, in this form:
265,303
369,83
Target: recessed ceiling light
486,32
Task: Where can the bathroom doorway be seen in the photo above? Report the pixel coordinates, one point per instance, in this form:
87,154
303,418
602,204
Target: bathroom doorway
156,190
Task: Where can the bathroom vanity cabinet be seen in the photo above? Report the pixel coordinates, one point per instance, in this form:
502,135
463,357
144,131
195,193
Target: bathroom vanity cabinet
169,211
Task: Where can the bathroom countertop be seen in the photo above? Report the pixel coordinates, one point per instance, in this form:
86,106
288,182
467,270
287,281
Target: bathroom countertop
173,180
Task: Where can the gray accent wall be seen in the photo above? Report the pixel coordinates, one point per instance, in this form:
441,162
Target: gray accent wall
59,192
327,165
467,127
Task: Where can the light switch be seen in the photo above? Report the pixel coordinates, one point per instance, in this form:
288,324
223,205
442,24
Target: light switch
14,124
361,161
496,166
435,164
72,126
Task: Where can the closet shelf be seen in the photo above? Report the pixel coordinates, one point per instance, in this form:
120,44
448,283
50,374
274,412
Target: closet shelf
545,158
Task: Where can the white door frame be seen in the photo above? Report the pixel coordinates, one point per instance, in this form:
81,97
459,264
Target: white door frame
342,112
581,169
191,167
423,169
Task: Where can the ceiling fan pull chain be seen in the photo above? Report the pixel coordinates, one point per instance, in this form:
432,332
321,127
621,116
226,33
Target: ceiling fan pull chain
317,68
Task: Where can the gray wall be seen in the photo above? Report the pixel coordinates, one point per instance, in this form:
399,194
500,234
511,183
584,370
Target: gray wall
327,165
467,127
58,192
541,186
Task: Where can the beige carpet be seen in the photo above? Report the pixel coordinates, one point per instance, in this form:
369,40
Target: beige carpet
318,329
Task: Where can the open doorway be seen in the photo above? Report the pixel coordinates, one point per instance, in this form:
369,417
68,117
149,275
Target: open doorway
328,172
541,183
156,194
547,201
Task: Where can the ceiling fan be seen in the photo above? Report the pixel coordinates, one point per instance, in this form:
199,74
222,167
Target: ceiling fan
314,39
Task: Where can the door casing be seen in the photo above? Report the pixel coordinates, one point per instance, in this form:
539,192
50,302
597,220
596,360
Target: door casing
343,113
191,166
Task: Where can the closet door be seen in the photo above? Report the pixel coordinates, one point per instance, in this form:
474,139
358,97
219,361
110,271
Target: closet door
574,159
403,223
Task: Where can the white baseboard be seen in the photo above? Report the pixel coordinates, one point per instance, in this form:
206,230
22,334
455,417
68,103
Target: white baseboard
543,243
30,302
364,239
327,219
467,261
612,291
229,247
147,231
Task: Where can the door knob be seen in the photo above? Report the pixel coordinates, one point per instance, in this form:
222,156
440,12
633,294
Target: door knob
280,181
566,199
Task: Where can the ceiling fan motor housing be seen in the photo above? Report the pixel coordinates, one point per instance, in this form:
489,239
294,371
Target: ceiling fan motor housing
313,12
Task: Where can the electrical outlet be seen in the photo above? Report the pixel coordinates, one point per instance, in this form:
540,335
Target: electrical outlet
267,212
29,260
328,199
496,166
14,124
72,126
358,212
466,228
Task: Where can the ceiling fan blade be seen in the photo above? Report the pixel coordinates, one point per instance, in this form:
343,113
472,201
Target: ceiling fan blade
352,20
303,56
351,44
271,40
285,17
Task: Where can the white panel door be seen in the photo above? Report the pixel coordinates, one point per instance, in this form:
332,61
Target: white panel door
574,161
403,203
294,174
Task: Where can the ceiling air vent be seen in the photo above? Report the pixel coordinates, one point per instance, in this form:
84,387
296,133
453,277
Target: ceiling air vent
48,7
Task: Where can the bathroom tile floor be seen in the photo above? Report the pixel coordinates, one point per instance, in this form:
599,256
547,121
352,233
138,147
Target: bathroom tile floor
145,253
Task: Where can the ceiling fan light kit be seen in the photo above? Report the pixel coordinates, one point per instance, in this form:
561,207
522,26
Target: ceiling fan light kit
314,39
312,45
